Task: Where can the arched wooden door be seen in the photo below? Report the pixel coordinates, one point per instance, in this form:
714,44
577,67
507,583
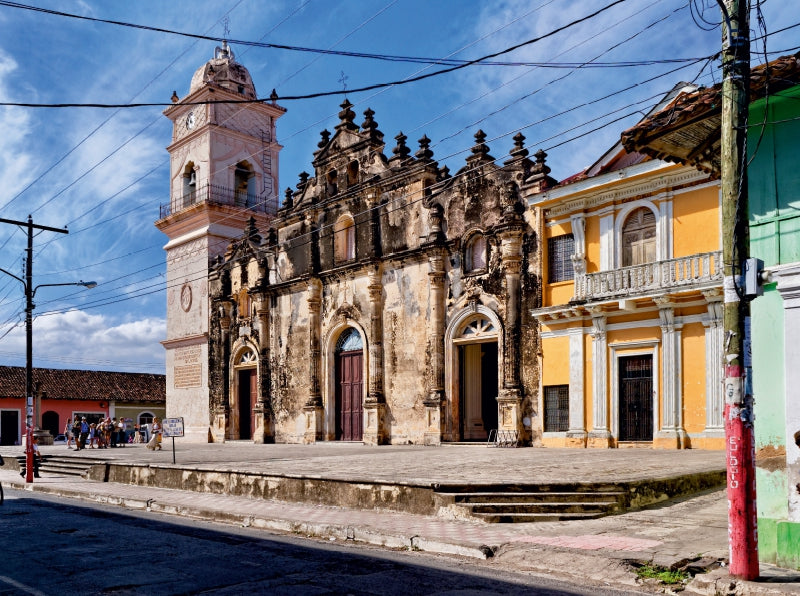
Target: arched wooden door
349,386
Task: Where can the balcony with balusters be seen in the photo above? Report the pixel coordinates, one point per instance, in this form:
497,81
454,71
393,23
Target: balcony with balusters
219,195
694,272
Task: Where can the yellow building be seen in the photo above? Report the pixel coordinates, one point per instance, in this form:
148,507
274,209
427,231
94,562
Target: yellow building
631,311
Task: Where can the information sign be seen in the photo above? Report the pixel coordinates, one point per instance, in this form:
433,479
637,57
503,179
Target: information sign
172,427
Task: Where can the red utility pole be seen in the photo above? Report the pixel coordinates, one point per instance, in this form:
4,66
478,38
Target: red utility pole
739,437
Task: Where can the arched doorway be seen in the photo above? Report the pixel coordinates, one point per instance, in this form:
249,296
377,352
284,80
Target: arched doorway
50,422
476,345
246,394
349,407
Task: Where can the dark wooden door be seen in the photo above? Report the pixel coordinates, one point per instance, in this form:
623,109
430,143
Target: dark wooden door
9,427
636,398
248,395
349,391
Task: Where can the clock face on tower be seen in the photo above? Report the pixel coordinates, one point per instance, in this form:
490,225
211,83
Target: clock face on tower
190,121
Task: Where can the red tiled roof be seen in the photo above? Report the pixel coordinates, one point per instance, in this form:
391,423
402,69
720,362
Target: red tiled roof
86,384
687,129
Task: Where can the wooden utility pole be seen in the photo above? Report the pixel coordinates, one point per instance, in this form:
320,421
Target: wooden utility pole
739,437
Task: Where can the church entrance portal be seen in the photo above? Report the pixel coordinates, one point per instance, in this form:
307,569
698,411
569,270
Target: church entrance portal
349,386
478,382
247,396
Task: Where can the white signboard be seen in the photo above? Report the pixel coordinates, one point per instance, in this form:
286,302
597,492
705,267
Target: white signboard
172,427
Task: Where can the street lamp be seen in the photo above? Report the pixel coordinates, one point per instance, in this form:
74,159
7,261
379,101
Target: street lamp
30,292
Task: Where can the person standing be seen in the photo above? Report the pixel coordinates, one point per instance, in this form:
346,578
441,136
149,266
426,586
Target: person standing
155,435
84,432
68,433
76,433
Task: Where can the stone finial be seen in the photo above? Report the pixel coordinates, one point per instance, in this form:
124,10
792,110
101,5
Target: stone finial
346,116
325,137
251,231
272,238
539,172
480,150
401,150
369,125
273,96
509,199
424,153
303,181
288,198
175,97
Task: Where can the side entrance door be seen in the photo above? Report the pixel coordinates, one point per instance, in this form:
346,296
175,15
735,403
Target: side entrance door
248,394
636,398
9,427
349,391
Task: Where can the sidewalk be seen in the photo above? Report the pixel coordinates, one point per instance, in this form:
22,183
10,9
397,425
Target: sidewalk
667,534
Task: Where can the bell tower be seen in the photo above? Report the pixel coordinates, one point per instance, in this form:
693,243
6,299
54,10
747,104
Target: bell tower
223,171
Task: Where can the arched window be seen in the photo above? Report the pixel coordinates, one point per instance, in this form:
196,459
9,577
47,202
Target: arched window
639,238
247,357
349,341
352,173
189,185
344,239
478,328
475,254
333,187
244,185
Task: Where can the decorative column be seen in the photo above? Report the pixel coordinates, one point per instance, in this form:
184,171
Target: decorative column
715,401
313,410
264,431
671,434
510,398
221,410
510,232
576,433
435,399
578,258
375,406
599,436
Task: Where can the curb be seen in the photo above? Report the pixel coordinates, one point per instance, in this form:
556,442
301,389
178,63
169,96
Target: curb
316,530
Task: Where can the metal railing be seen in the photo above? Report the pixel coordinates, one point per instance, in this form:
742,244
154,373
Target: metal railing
503,438
692,271
219,195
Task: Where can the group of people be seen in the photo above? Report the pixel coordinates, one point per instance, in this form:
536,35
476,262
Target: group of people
108,432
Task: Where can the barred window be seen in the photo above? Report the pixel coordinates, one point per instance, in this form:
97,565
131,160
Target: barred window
559,262
556,408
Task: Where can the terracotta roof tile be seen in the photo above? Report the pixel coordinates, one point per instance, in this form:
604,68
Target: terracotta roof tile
86,384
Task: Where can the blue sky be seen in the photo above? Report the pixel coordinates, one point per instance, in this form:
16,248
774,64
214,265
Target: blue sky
103,172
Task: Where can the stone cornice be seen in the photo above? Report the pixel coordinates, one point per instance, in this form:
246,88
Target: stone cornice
625,191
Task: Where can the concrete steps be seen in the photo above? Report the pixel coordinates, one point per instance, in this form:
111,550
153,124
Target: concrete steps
534,504
64,465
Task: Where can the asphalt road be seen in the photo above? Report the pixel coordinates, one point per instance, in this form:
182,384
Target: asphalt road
54,546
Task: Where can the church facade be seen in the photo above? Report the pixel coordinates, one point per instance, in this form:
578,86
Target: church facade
387,302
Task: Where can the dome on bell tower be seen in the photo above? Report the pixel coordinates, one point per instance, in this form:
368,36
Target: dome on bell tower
223,71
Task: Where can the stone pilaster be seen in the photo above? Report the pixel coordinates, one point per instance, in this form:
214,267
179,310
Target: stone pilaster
375,406
313,410
576,433
435,376
599,436
221,412
671,434
264,431
510,398
715,402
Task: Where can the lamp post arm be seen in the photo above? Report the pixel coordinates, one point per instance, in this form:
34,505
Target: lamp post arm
14,276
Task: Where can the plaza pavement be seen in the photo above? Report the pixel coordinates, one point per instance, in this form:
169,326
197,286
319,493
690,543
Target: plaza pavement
590,550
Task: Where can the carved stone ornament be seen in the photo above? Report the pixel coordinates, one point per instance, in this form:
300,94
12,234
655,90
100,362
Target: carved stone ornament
186,297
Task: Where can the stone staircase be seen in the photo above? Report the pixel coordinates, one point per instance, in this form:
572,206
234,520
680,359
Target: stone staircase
64,465
524,504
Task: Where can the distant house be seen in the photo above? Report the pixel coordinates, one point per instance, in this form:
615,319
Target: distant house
64,394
